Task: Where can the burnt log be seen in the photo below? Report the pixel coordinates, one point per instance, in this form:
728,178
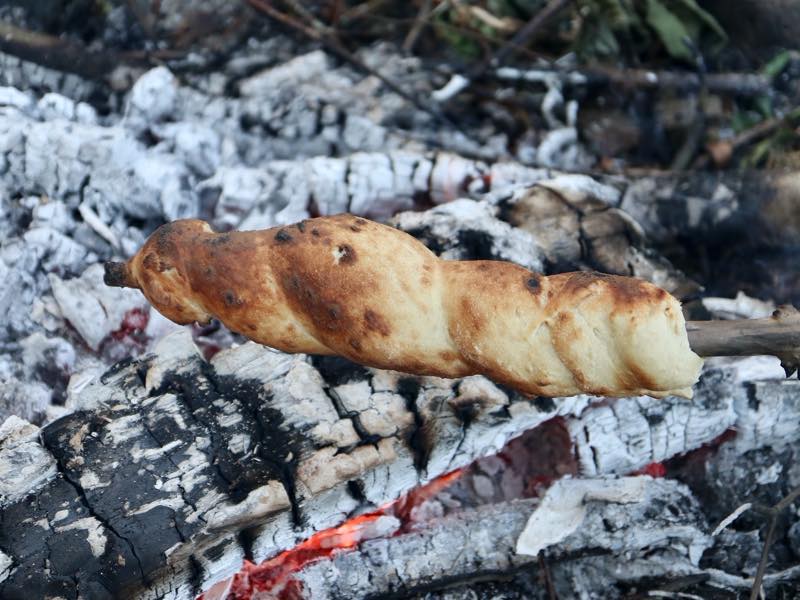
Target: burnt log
174,470
479,545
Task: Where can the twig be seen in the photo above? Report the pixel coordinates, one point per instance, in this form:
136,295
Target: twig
778,335
359,11
731,518
697,128
523,36
744,84
552,594
520,39
56,53
419,24
673,595
336,47
773,523
739,141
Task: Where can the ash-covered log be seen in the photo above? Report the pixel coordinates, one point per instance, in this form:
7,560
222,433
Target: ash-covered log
175,470
661,532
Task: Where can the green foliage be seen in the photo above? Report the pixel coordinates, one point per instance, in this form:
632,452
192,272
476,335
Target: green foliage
771,150
777,63
453,37
676,25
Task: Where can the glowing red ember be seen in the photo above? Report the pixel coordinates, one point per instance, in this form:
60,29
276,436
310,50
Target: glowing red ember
273,578
654,469
134,321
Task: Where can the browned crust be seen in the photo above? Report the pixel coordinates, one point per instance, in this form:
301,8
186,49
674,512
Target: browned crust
345,285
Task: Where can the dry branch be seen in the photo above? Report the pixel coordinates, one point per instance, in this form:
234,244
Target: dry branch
520,39
333,45
55,52
745,84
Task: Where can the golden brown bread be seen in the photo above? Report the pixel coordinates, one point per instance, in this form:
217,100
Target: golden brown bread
348,286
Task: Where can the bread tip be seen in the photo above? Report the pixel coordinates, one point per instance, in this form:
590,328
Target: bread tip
117,274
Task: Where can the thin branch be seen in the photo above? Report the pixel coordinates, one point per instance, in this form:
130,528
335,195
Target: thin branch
460,82
697,128
552,594
419,24
743,84
723,150
523,36
359,11
56,53
773,524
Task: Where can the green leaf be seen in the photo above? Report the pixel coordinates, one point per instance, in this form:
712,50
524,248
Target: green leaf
619,14
742,120
776,64
692,10
461,43
764,106
596,39
669,28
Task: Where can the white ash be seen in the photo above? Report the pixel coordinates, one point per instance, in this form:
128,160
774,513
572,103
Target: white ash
23,74
629,433
10,96
19,397
152,99
480,234
38,348
24,463
92,308
740,307
563,509
55,106
464,544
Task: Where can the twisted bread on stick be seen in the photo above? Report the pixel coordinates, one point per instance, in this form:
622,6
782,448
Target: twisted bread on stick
375,295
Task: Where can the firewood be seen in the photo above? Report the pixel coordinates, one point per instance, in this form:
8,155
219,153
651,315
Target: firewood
173,470
468,546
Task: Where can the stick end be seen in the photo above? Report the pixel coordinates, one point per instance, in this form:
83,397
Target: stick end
117,274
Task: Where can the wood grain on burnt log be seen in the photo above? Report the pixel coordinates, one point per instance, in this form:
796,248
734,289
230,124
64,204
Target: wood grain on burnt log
748,396
662,535
174,469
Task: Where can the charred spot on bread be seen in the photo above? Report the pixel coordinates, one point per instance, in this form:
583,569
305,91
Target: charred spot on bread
283,236
344,254
375,322
231,299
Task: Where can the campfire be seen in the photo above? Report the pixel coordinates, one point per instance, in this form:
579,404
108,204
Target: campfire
164,435
275,577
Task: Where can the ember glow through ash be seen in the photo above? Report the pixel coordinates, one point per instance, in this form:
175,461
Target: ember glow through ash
273,578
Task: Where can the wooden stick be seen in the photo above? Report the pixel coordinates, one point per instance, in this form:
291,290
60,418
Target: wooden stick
778,335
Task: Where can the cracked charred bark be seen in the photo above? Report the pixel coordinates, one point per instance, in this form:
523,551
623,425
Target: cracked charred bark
174,469
663,535
747,396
